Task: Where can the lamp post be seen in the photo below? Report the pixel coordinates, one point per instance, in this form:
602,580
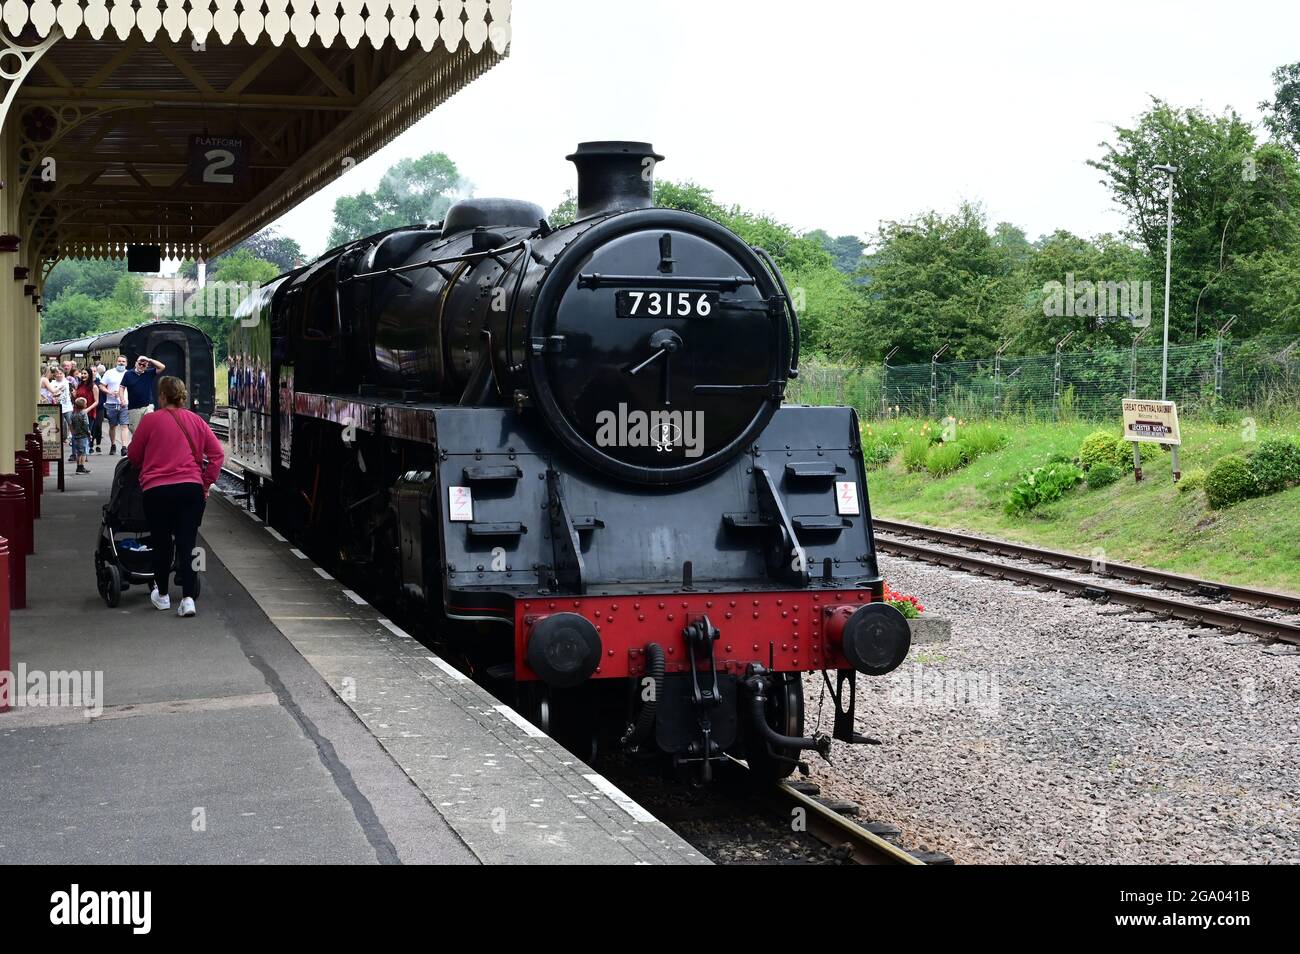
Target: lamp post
934,380
1169,251
997,371
1169,248
884,382
1056,374
1218,359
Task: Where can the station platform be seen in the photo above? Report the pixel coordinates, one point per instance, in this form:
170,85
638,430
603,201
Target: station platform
288,722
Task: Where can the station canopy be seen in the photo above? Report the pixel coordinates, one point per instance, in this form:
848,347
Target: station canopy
191,124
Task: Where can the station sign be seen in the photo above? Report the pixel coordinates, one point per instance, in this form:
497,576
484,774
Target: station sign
1153,422
217,160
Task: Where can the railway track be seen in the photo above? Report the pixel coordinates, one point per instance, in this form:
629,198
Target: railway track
864,844
220,424
737,820
1194,601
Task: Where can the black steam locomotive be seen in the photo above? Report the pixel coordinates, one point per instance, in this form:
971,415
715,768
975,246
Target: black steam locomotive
563,452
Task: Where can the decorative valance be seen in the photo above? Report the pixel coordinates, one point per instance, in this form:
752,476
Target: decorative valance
453,22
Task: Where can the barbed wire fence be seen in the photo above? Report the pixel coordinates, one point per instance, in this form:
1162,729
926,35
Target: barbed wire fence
1260,376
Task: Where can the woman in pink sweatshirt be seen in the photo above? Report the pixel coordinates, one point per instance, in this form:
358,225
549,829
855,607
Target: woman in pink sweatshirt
179,459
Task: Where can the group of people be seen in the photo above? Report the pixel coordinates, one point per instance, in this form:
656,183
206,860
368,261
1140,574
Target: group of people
175,453
93,396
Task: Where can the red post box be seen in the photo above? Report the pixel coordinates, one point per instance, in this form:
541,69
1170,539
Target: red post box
11,528
26,472
5,667
38,485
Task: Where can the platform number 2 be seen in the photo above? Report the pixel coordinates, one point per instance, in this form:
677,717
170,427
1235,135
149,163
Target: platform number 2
218,161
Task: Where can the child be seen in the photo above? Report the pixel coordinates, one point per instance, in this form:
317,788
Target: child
80,426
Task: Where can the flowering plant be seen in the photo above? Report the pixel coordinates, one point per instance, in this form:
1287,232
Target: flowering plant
909,606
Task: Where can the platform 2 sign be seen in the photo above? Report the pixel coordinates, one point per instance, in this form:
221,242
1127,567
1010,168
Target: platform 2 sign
217,160
1153,422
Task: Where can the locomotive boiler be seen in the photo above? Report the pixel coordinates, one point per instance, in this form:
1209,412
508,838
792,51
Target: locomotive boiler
561,454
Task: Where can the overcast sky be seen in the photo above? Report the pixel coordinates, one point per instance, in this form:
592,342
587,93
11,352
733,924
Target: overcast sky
838,115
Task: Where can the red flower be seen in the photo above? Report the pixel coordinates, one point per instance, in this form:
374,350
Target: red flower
892,594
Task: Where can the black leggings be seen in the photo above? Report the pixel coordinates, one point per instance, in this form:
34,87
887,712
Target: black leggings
174,511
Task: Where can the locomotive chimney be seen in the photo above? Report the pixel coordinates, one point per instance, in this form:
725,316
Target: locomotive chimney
614,176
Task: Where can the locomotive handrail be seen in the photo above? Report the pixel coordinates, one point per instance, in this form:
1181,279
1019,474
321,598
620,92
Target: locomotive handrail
720,283
789,305
492,253
522,259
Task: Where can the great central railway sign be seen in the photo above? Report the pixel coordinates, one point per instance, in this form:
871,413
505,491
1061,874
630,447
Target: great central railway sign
1154,422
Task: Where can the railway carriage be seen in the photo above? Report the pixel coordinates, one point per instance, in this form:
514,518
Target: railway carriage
561,454
183,348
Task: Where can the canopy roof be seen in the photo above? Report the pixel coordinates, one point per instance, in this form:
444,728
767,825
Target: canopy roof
123,101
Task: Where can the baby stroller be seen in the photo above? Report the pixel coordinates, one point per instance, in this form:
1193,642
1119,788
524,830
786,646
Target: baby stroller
124,555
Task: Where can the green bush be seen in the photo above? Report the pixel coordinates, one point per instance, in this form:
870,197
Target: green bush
1102,474
1124,454
1099,447
893,437
946,458
876,454
1275,466
981,439
1059,457
1042,485
1192,480
1229,481
915,452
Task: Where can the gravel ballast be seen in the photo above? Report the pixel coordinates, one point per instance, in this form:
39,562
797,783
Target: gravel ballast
1052,730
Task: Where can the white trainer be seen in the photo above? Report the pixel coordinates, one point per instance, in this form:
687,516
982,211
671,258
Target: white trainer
187,607
160,602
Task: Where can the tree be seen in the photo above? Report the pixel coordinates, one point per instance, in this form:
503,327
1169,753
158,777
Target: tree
830,306
213,308
243,267
95,277
71,315
412,192
846,250
1233,199
564,213
76,314
1012,244
268,245
934,281
1282,115
1065,283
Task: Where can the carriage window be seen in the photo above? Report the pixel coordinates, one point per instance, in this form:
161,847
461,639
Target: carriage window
319,318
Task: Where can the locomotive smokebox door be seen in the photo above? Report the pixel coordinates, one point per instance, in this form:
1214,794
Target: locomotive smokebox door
659,345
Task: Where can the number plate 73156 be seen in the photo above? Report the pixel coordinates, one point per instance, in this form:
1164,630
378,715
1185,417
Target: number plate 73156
664,303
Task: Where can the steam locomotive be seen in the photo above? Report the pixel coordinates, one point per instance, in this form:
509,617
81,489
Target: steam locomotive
562,454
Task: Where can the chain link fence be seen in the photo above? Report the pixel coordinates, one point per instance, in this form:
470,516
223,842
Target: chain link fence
1258,375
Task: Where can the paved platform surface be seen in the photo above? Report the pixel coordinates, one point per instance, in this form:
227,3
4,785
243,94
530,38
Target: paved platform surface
287,722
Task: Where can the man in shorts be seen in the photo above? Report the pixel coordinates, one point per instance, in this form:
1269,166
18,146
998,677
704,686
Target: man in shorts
139,384
113,404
